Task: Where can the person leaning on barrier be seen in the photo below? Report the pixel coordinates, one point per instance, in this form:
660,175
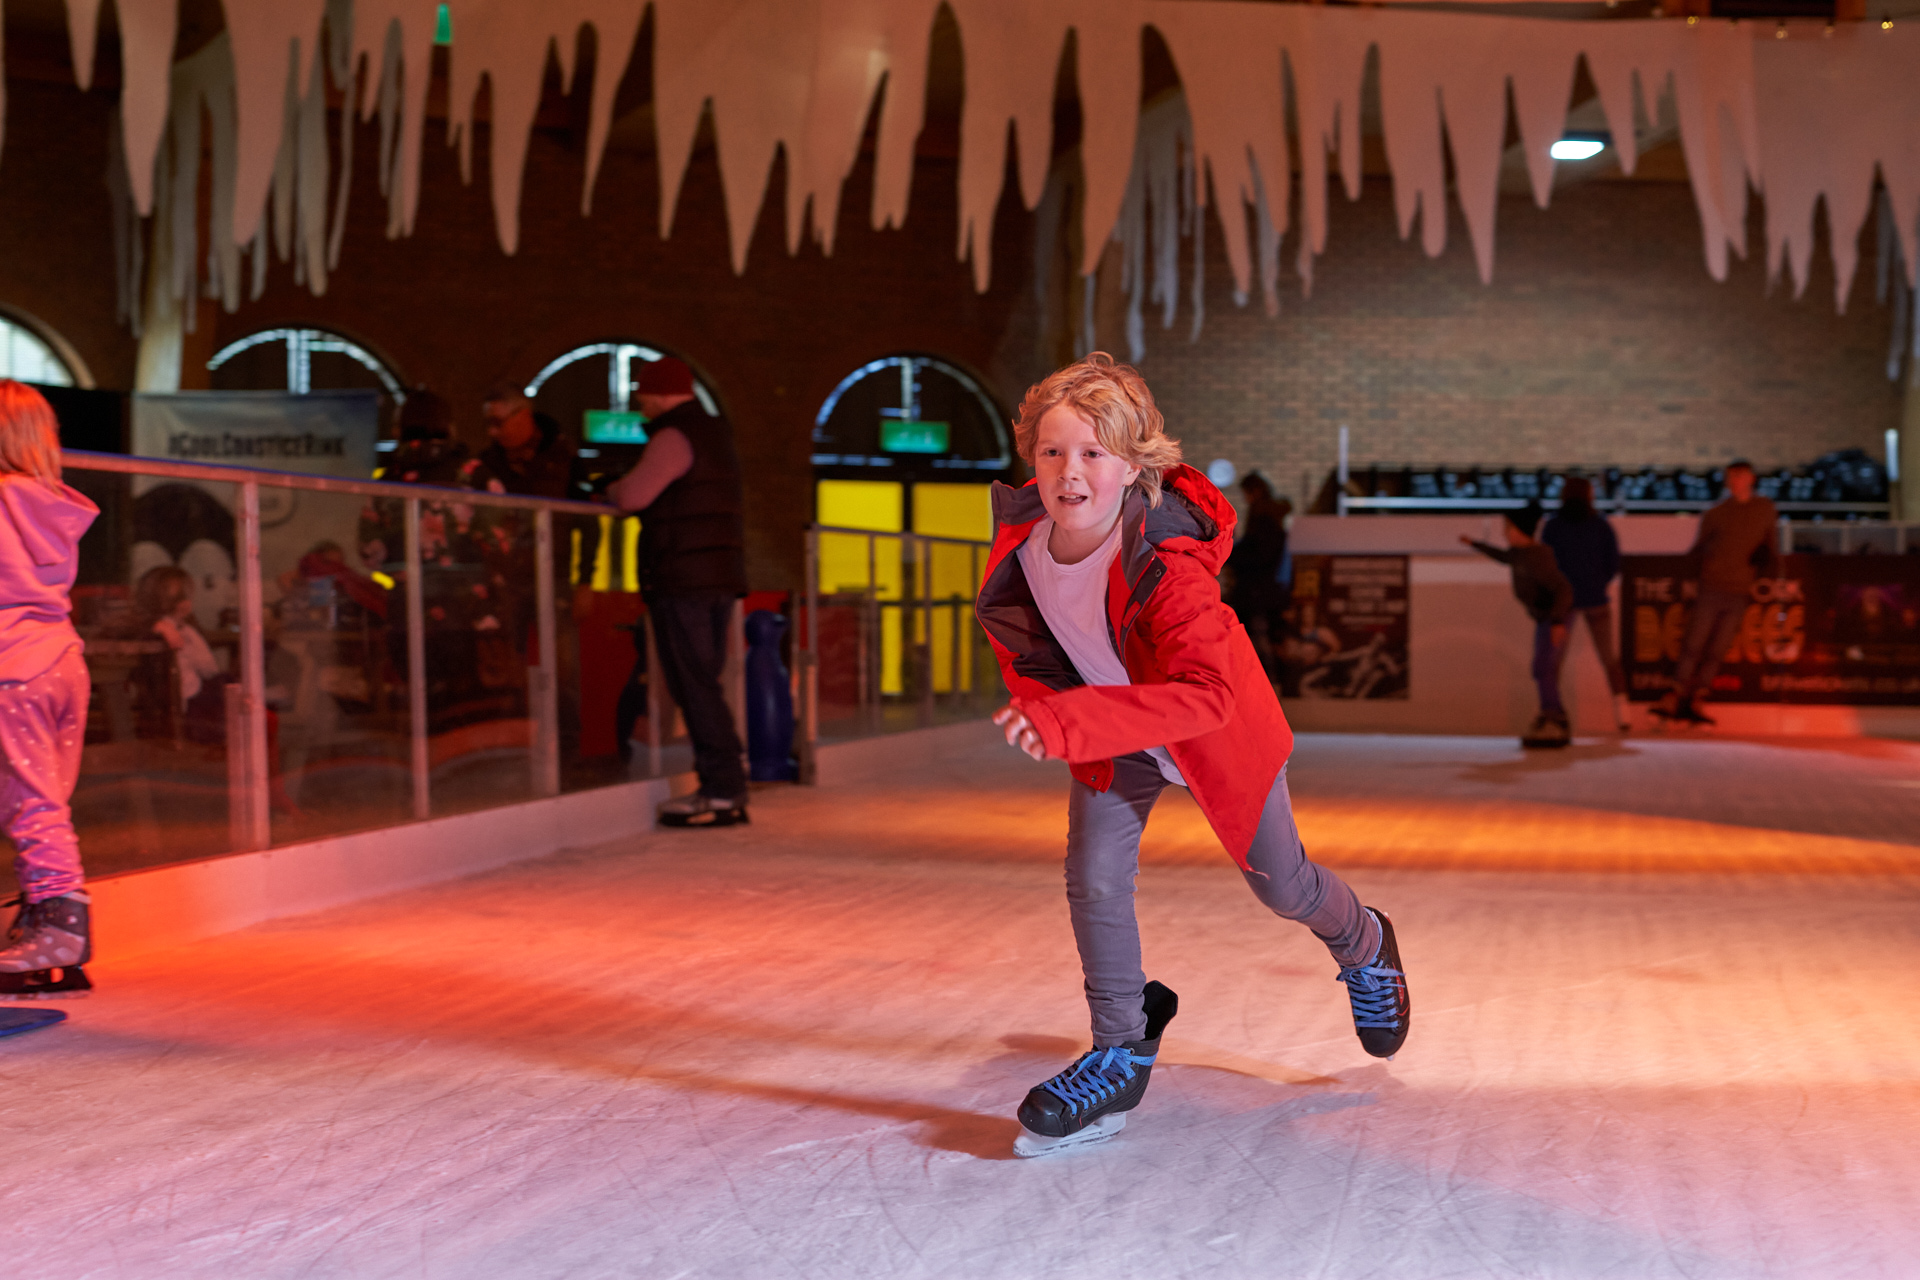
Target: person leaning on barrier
686,490
529,455
1732,550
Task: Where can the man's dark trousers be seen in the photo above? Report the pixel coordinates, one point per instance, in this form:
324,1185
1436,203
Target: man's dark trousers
690,634
1717,618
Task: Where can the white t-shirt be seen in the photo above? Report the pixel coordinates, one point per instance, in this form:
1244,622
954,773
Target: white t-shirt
1073,600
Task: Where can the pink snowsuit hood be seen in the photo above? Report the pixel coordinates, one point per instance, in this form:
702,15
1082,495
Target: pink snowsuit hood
40,532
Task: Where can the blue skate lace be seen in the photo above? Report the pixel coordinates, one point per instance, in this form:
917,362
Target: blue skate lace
1096,1077
1376,1002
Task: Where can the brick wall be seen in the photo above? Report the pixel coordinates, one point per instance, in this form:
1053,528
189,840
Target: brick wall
1602,340
57,224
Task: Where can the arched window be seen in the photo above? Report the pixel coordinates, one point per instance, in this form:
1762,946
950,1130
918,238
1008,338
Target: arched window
910,417
589,392
28,357
909,442
303,360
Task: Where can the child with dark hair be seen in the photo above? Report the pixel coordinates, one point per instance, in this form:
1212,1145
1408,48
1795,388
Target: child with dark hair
44,688
1547,597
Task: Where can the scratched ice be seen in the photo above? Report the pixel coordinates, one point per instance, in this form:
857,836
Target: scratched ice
1657,1034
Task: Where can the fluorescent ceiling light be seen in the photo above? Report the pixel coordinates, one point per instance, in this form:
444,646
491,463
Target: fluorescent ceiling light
1576,149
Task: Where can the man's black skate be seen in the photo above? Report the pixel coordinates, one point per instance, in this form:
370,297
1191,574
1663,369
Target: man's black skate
702,810
45,947
1089,1101
1547,730
1382,1010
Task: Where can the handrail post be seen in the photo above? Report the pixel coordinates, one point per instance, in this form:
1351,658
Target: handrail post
543,690
253,676
873,651
809,662
420,759
923,652
656,697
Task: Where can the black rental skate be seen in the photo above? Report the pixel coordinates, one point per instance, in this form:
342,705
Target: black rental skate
1547,730
702,810
1089,1101
1382,1010
45,949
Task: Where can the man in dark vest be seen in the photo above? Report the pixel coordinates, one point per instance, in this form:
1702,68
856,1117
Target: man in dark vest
686,490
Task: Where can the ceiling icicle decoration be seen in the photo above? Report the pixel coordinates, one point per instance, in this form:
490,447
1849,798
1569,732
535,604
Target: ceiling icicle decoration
1800,118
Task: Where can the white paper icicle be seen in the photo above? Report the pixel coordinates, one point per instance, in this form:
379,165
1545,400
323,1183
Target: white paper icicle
1829,113
1806,118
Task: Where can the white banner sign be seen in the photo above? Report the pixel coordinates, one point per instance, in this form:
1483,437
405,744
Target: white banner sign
328,433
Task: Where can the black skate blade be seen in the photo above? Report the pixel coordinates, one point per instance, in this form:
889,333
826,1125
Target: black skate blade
69,982
15,1022
712,818
1030,1144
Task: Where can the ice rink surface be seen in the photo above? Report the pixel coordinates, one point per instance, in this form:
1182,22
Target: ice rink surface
1661,1029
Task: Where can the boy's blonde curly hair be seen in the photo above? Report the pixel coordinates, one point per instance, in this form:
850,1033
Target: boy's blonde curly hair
1114,398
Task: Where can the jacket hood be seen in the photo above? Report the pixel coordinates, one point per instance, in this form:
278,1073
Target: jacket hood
1193,518
48,522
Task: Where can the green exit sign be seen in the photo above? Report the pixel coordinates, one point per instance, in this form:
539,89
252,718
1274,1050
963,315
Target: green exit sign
615,426
905,435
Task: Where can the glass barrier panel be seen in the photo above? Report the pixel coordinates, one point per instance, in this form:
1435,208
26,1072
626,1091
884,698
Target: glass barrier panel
339,745
477,597
156,603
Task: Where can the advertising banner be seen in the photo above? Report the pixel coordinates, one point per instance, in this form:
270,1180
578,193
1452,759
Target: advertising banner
327,433
1344,633
1829,629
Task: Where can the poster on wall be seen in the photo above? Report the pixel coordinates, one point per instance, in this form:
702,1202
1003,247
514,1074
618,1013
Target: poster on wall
1344,632
1830,629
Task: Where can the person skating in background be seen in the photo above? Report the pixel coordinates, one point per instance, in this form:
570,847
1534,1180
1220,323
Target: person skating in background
1101,601
1258,598
1544,592
44,688
1733,549
1588,553
686,490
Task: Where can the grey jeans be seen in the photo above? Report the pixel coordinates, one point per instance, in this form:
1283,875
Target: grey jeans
1103,857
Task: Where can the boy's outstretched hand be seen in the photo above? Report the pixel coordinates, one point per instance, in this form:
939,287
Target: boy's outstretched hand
1020,732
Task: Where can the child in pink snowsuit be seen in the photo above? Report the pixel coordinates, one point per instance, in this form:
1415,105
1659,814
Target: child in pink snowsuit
43,700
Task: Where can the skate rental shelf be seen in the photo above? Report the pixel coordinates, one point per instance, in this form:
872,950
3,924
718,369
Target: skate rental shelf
1470,642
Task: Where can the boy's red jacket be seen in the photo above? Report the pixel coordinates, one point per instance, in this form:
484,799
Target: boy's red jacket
1198,688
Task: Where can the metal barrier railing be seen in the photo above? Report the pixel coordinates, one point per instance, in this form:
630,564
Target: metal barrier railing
903,627
1849,537
248,762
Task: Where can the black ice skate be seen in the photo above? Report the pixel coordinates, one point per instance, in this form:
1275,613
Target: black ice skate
1089,1101
1382,1010
45,948
703,810
1547,730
